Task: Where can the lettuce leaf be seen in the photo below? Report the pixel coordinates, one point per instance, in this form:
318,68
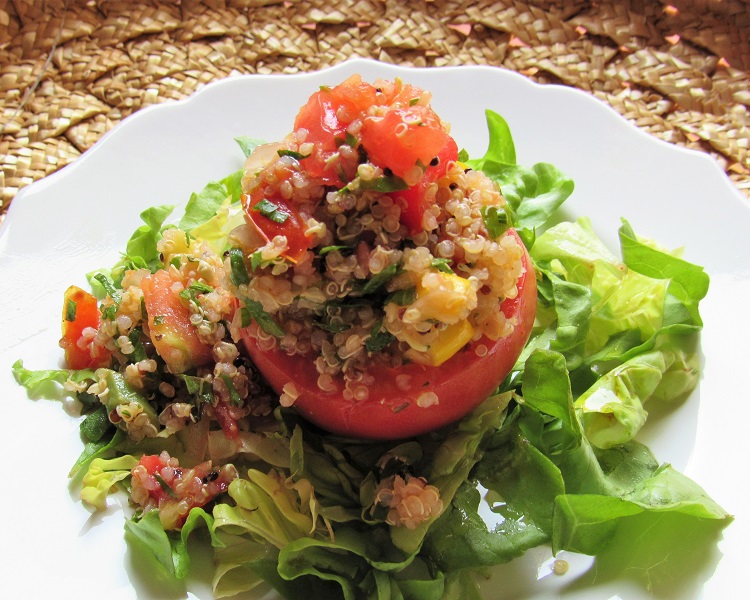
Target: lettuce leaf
167,551
533,194
47,383
102,476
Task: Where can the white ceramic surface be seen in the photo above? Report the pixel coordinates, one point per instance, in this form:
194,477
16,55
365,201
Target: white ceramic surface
79,219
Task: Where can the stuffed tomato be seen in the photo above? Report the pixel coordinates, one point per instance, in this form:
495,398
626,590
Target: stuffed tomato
388,295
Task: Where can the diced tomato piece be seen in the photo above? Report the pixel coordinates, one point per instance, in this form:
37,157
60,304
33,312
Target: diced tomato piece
293,226
174,489
80,310
174,336
403,138
227,422
326,117
414,203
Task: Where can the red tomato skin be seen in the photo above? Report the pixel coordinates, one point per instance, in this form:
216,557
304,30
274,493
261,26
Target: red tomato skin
413,201
461,383
87,315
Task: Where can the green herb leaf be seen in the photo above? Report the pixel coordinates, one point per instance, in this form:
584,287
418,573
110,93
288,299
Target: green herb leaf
70,310
496,220
379,338
234,396
256,260
253,310
402,297
139,352
271,210
293,154
442,264
379,280
384,184
239,275
165,486
327,249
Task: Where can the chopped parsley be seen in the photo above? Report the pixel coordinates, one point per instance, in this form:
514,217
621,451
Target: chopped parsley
495,220
293,154
239,275
379,338
234,396
270,210
402,297
384,184
254,311
109,312
442,264
378,281
70,310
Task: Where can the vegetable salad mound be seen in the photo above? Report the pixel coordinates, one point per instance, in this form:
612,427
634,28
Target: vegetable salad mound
318,366
373,247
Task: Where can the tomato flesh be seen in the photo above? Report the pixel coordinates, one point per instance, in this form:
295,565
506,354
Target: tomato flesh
80,310
404,139
326,117
293,226
174,336
461,383
414,200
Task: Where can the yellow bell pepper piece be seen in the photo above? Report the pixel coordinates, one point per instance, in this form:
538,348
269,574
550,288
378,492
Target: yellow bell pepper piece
449,341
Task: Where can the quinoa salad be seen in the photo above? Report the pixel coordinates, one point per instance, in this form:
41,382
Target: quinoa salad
338,344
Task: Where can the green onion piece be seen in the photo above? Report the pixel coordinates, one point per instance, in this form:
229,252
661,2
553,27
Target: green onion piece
270,210
239,275
159,320
413,101
176,262
70,310
253,310
463,155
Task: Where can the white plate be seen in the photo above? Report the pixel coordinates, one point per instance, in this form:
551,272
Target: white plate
79,219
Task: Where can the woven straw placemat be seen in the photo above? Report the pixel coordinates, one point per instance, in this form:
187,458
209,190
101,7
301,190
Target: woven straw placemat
71,70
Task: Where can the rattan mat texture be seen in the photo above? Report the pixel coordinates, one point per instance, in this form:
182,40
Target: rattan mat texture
71,70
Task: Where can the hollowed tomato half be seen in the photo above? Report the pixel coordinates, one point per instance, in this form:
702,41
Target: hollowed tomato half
390,411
